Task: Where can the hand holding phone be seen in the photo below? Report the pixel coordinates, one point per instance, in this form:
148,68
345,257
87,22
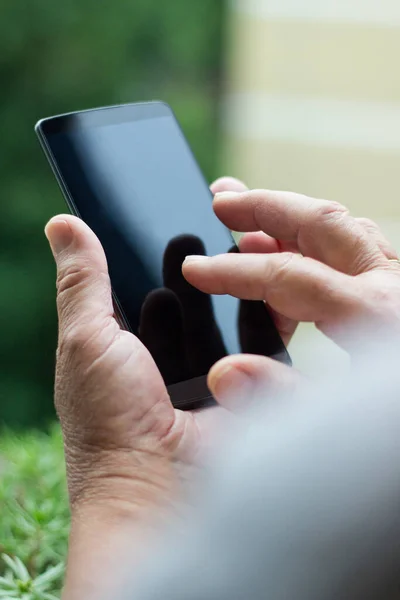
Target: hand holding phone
128,172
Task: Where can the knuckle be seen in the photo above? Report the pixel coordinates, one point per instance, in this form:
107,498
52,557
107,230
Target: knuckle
368,224
74,341
281,271
87,339
383,302
322,215
72,277
331,211
286,258
374,231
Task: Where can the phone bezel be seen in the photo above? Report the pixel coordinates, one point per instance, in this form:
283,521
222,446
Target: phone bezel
106,115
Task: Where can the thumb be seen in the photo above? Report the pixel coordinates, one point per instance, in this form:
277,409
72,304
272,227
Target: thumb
235,381
83,286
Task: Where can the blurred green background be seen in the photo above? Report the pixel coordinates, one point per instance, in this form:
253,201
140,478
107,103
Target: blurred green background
62,56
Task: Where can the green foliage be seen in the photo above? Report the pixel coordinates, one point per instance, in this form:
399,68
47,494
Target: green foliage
17,582
62,56
34,519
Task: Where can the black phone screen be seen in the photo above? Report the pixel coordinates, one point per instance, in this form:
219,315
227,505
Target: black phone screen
131,176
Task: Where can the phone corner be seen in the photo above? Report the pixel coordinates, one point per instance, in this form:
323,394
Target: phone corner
166,109
38,127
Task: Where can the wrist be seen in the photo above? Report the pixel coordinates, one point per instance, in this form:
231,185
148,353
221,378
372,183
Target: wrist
121,480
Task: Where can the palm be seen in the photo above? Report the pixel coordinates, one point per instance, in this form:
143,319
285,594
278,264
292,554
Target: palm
198,429
141,405
149,408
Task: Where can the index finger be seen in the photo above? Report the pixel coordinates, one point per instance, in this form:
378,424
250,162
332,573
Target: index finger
321,229
300,288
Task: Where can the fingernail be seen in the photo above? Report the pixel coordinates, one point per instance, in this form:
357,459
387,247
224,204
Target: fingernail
194,258
228,195
230,382
59,234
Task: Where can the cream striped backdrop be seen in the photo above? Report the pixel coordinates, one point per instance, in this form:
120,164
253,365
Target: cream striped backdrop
313,105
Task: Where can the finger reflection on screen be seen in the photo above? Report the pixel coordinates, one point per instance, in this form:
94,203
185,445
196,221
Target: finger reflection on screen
178,324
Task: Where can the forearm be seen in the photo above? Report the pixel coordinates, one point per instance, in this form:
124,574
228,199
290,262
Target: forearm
105,547
113,523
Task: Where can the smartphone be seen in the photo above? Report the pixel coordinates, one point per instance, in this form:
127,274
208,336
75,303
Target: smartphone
130,174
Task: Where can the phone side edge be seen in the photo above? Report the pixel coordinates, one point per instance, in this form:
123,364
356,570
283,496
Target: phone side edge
72,207
53,165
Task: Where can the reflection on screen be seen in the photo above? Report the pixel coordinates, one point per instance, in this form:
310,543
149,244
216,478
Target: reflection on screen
141,191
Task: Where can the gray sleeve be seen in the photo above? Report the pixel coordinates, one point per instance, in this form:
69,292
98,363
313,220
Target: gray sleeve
305,505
